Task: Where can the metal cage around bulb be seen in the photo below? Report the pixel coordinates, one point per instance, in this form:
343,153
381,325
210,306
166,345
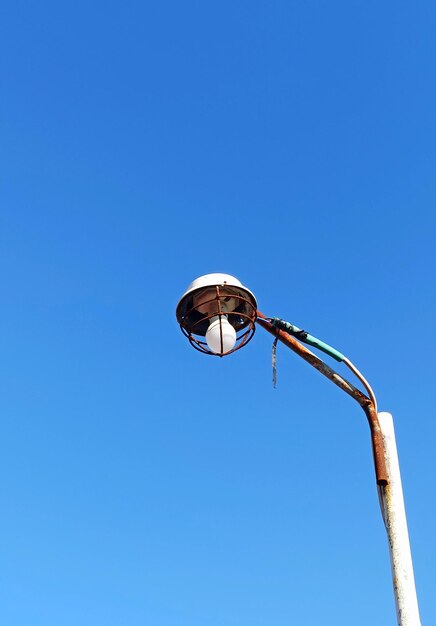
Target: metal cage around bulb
217,296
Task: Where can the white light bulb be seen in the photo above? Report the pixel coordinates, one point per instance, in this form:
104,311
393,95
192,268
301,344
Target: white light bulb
213,335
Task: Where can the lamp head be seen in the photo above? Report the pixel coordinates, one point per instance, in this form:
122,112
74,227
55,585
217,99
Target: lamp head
217,314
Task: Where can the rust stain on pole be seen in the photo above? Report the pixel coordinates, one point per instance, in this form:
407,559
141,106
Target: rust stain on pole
365,402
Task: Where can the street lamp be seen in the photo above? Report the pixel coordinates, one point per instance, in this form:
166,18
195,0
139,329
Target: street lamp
217,314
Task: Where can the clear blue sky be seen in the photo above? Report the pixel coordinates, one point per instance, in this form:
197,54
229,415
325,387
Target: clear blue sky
292,144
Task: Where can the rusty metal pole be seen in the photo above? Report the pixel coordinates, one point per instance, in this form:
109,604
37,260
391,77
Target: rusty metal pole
388,480
394,516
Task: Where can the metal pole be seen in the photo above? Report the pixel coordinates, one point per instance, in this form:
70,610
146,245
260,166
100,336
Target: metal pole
394,516
388,481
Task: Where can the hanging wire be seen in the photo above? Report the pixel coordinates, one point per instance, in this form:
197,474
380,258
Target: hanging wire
274,362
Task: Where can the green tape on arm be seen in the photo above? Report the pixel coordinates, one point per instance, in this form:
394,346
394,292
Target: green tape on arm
317,343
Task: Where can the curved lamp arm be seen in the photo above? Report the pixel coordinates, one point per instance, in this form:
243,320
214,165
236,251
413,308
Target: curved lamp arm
368,404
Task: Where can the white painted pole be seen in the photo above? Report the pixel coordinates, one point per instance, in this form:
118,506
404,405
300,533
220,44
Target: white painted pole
394,515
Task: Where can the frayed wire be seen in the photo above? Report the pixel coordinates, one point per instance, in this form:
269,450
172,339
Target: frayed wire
274,362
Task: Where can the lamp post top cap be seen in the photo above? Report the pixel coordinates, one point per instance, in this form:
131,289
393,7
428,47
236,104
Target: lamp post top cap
211,280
